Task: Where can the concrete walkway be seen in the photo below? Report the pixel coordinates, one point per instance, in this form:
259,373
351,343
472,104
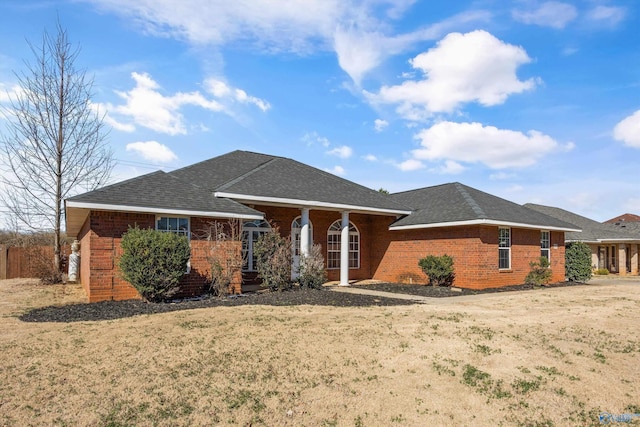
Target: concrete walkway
600,280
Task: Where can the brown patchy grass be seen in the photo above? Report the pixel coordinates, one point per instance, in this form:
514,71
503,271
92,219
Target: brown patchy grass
546,357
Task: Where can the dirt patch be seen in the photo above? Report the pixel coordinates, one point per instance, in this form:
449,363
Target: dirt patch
558,356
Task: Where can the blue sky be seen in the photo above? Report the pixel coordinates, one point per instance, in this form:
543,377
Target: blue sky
533,101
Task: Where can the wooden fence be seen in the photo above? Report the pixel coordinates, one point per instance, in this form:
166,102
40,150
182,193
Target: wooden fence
28,261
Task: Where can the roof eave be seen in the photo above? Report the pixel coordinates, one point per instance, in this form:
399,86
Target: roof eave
482,222
155,210
310,204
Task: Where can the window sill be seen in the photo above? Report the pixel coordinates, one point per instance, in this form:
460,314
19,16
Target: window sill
505,270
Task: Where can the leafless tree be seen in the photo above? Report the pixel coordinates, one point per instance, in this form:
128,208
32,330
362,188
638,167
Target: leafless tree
55,140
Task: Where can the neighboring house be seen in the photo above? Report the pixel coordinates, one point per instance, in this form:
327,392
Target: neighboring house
612,247
363,233
624,218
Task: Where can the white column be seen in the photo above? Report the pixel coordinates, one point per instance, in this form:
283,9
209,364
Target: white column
344,250
305,235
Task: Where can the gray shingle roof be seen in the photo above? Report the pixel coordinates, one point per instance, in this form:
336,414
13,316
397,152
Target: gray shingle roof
241,176
289,180
455,202
161,191
592,231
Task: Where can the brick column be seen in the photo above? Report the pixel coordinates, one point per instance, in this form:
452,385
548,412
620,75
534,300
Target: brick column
634,259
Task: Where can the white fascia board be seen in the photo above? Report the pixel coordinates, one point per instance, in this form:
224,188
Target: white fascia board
481,222
631,240
124,208
310,203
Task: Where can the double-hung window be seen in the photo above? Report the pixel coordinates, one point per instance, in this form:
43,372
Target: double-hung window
545,245
334,238
178,225
504,248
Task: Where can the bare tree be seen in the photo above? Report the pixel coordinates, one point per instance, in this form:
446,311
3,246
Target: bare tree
54,144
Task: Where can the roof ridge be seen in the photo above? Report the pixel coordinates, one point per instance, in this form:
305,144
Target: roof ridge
475,207
247,174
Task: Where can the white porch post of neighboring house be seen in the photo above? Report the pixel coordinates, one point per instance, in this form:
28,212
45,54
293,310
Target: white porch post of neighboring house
344,250
305,235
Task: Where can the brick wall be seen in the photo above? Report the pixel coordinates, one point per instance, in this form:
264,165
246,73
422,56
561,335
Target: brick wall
100,249
384,255
475,253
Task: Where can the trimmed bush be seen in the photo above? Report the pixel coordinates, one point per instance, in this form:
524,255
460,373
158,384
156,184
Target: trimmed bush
154,262
439,269
602,272
312,273
540,273
578,262
274,260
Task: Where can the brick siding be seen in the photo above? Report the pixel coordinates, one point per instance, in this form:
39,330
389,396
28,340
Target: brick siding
384,255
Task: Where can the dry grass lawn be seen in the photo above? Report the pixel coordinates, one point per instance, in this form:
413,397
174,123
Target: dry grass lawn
537,358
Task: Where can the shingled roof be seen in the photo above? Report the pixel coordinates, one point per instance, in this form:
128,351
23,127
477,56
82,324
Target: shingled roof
457,204
218,187
592,231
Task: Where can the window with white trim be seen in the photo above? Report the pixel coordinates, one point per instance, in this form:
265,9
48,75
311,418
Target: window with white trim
172,224
251,232
296,227
334,238
504,248
178,225
545,245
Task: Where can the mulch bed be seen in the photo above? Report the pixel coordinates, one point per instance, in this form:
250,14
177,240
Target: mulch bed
445,291
111,310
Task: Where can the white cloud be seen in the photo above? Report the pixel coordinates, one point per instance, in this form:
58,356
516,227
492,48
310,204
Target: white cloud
358,31
312,138
410,165
499,176
7,93
221,90
549,14
343,152
451,168
475,143
370,158
379,125
628,130
609,15
337,170
462,68
153,151
148,107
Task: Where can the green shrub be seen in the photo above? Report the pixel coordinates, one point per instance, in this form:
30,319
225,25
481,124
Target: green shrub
602,272
312,273
578,262
274,260
154,262
540,273
438,269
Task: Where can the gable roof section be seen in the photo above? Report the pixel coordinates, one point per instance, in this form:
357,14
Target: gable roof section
592,231
217,187
455,204
628,217
290,183
157,192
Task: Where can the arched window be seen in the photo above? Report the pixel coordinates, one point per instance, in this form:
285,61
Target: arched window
296,226
334,236
251,232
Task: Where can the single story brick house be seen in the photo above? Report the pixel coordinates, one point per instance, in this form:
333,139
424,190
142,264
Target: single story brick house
614,247
364,234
